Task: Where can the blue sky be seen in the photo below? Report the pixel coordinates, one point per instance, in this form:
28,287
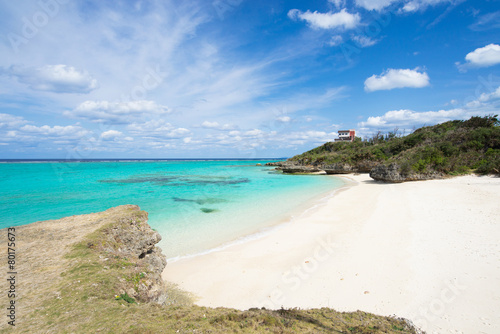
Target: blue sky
236,78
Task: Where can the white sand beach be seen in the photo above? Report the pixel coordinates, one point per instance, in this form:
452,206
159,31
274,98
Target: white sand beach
428,251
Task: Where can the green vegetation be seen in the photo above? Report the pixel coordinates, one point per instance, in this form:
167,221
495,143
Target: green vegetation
452,148
87,299
125,297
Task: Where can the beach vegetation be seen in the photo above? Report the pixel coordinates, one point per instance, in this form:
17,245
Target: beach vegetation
450,148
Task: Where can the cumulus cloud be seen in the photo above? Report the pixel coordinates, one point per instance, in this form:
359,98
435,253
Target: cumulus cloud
217,126
11,121
485,97
342,19
111,134
116,112
150,127
310,136
485,56
58,131
177,133
254,133
407,118
485,104
157,129
374,4
397,78
54,78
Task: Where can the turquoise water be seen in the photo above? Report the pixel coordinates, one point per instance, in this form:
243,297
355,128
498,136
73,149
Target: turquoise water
195,205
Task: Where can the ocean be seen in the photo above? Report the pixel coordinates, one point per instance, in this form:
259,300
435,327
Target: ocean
196,205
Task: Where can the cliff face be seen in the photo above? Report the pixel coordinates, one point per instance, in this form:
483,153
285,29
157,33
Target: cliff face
393,173
67,264
130,237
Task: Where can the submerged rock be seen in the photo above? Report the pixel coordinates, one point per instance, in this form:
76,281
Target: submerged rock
208,210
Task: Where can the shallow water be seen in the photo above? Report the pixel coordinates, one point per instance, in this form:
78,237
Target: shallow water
195,205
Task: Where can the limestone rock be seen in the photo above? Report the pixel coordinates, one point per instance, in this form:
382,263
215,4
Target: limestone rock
131,237
393,173
300,169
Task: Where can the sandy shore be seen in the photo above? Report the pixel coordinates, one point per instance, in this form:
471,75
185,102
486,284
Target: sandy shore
428,251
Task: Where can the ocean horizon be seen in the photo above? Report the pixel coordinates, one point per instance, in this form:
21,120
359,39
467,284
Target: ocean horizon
195,204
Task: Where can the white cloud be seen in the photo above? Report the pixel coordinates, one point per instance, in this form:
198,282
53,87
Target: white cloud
338,3
36,135
486,22
70,130
177,133
374,4
158,129
364,41
254,133
284,119
155,126
310,136
217,126
190,140
416,5
11,121
111,134
485,97
336,40
330,20
408,119
116,112
54,78
397,78
485,56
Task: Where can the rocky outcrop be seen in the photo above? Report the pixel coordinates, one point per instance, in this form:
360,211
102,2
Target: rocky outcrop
300,169
339,168
393,173
275,164
290,167
131,238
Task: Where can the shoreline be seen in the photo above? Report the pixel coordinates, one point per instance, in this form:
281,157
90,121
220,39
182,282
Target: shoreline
424,250
276,223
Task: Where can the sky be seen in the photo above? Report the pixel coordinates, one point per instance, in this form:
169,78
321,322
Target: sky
236,78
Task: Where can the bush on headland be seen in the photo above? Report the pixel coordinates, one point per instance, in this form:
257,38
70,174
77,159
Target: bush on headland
451,148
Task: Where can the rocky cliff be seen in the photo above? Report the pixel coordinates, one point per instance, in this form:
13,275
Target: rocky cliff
132,238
